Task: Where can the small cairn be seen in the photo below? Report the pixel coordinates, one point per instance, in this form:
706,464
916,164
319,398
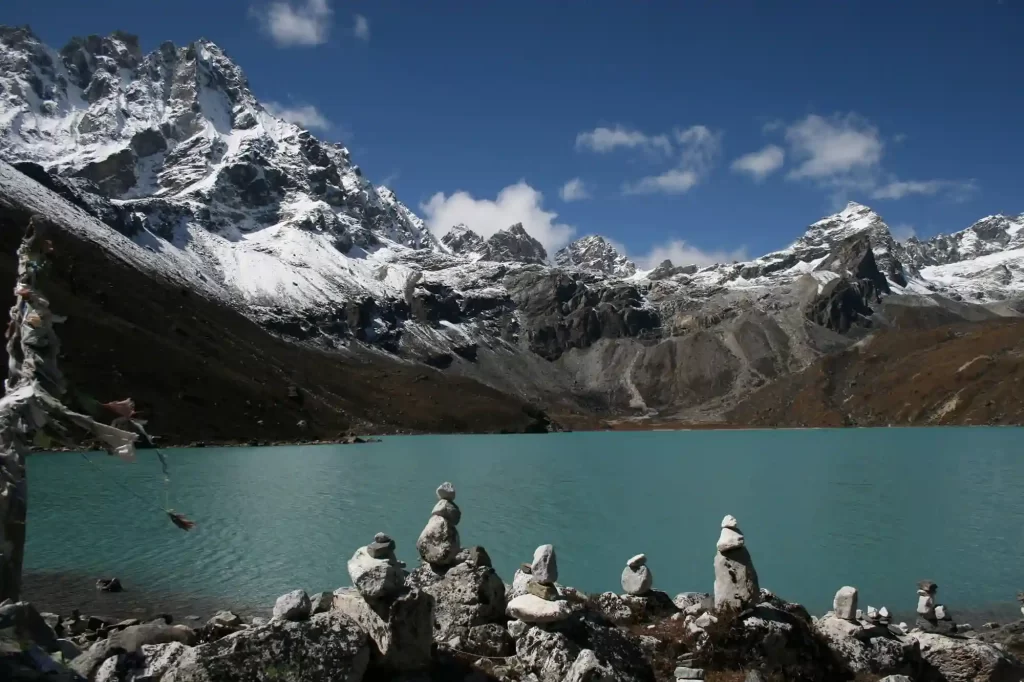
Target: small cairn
399,619
932,617
636,577
845,604
541,602
438,544
736,584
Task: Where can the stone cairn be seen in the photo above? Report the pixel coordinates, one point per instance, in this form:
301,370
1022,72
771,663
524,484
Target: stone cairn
636,577
736,583
932,617
399,619
541,602
844,606
438,544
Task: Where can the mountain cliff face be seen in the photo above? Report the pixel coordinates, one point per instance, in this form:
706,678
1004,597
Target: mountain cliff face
200,185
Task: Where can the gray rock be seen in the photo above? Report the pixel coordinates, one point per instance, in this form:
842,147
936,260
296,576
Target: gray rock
151,662
730,522
704,620
612,607
130,641
258,621
684,600
448,510
465,597
381,550
845,603
587,668
517,628
226,618
401,629
872,614
683,673
549,655
321,602
967,660
755,676
439,542
873,650
326,648
519,582
637,561
373,577
736,584
895,678
476,556
730,539
530,608
292,606
446,491
384,538
637,581
489,639
545,564
27,625
68,649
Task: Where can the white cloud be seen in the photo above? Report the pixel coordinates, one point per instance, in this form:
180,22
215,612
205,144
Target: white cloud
959,190
518,203
698,148
304,115
304,24
603,140
903,232
674,181
574,190
681,253
762,163
830,148
361,30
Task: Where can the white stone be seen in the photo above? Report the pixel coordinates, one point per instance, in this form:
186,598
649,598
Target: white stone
845,603
883,613
925,605
374,577
872,613
545,565
684,673
530,608
637,581
903,626
729,540
730,522
704,620
637,561
446,491
439,542
941,613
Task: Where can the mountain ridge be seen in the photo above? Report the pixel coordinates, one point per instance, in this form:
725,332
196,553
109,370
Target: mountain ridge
172,150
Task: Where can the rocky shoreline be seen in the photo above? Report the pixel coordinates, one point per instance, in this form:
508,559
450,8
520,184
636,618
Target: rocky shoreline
453,617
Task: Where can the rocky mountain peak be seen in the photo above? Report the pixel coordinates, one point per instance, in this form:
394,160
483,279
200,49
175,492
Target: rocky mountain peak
514,244
462,240
595,254
992,234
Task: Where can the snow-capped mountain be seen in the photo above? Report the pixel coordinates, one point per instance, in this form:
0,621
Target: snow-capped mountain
205,186
595,254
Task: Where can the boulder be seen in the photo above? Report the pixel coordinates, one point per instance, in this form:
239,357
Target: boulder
896,678
651,606
736,584
375,577
151,662
548,655
637,581
477,556
325,648
845,603
226,618
130,641
530,608
611,607
321,602
292,606
588,668
439,542
519,582
873,650
684,600
465,597
544,568
489,639
401,629
27,625
517,628
109,585
958,659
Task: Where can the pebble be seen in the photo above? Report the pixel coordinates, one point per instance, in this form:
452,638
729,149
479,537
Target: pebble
446,491
730,522
637,581
542,590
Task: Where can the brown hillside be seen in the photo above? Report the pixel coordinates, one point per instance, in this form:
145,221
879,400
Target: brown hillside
967,373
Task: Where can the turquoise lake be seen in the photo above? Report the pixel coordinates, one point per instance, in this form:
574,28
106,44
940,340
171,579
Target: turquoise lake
879,509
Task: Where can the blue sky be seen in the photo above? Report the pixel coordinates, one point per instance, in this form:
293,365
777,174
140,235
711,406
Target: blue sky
727,126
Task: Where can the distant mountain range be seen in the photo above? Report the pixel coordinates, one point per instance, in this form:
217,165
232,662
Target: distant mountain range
172,154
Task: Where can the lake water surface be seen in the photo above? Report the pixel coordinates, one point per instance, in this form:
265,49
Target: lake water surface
875,508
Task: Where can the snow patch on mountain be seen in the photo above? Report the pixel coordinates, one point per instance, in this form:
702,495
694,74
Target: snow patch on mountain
595,254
